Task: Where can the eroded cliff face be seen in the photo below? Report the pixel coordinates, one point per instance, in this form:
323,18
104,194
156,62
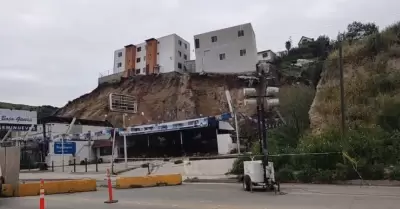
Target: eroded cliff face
369,86
164,97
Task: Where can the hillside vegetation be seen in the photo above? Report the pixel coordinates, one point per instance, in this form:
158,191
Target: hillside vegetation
42,111
372,101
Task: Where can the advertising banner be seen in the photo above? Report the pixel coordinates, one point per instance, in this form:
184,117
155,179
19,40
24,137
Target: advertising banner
17,120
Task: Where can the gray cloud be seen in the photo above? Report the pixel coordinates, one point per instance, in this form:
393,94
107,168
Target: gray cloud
53,51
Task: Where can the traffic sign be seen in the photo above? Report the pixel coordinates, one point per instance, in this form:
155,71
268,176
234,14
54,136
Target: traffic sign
69,148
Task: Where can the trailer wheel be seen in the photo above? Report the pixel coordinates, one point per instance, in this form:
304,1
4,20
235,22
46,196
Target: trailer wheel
247,183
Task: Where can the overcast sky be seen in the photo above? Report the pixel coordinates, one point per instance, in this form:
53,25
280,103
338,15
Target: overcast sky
52,51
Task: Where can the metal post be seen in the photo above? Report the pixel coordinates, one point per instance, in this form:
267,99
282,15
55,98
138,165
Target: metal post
52,166
97,166
86,161
237,132
62,151
233,110
90,145
259,128
112,151
181,137
263,140
125,148
74,165
264,85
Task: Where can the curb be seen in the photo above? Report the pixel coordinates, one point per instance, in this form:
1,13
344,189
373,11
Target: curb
384,183
196,180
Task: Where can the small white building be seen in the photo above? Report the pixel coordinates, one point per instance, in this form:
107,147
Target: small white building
54,129
266,55
161,55
228,50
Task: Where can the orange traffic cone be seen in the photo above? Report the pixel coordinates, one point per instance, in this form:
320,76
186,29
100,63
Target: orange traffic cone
41,201
110,192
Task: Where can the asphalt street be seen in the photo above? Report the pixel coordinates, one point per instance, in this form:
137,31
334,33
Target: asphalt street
222,196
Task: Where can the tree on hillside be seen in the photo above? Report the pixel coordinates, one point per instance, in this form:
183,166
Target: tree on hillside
288,44
358,30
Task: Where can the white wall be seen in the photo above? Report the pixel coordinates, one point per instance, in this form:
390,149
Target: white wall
166,53
10,164
117,60
228,42
184,51
224,143
82,152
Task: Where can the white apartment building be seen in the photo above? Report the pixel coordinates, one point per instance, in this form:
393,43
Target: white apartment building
161,55
228,50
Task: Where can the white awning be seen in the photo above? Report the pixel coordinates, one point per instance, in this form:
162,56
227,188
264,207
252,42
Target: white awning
223,125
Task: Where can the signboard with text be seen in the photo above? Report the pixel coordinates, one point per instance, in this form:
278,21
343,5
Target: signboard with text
17,127
68,147
17,120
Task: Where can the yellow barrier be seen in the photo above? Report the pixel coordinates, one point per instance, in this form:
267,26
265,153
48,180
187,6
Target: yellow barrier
148,181
57,187
7,190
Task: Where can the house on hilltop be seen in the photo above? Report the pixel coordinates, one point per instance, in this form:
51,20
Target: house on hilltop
304,40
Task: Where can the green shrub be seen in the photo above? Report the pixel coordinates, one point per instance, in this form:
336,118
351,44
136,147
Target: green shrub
395,173
285,175
237,167
306,176
373,172
324,176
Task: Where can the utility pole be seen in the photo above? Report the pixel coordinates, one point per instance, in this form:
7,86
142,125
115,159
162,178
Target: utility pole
341,87
261,96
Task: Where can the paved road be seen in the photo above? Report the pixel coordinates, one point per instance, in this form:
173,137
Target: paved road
223,196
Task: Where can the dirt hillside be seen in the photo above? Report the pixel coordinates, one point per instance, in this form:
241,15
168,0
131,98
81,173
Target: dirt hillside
164,97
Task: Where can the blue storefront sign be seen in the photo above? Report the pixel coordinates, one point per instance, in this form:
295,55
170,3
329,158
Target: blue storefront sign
69,148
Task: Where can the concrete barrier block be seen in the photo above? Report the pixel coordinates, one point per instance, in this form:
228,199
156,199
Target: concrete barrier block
28,189
57,187
148,181
168,180
7,190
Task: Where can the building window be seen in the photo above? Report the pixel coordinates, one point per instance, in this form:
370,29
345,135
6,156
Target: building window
119,64
185,57
243,52
137,71
180,42
197,43
241,33
144,58
180,53
213,39
222,56
144,70
185,46
139,49
138,59
119,54
179,65
265,55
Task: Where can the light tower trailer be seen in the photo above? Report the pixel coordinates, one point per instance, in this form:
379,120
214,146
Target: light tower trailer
253,176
